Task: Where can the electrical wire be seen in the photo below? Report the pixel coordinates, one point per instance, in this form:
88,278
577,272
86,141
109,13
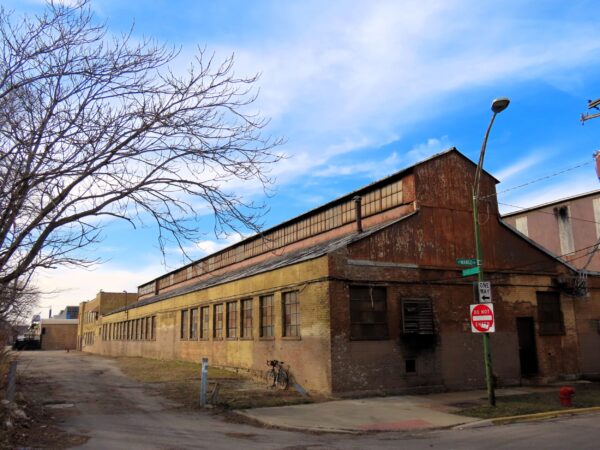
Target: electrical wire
547,212
523,266
536,180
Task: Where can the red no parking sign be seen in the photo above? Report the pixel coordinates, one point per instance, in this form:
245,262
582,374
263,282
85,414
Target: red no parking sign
482,318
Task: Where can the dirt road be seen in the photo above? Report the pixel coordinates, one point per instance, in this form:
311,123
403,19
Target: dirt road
93,398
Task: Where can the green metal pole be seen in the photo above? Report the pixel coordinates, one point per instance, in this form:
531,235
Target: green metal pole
498,105
487,353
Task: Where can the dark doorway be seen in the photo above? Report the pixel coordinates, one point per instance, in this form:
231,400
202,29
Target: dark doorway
527,351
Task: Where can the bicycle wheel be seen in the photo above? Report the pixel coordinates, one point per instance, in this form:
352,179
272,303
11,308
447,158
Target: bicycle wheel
282,379
270,377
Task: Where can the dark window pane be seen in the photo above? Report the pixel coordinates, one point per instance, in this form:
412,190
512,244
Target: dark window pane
368,312
550,316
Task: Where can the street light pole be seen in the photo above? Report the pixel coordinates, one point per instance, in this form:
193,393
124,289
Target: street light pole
498,105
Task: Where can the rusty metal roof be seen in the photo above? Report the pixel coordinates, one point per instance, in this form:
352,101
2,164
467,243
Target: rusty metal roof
360,191
274,263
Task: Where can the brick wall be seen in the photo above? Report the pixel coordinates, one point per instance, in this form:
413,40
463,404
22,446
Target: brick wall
307,357
59,336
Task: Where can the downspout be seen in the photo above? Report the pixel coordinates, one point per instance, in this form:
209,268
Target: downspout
358,213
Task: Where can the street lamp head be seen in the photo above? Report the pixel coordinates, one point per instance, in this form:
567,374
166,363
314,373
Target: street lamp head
500,104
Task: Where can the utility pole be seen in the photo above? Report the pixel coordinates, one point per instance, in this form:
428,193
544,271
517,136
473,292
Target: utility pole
498,105
592,104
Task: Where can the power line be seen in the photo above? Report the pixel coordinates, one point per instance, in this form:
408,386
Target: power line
523,266
560,172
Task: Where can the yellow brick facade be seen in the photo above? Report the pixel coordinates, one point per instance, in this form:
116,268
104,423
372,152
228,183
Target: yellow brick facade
308,279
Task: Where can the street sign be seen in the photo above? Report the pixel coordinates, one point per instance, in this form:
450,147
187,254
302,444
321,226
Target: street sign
466,262
485,292
482,318
470,271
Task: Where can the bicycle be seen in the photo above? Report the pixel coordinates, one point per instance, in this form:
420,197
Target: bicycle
277,375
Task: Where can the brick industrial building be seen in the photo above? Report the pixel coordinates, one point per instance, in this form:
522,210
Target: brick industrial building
90,316
364,293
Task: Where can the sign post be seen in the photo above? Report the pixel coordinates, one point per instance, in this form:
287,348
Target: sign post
203,381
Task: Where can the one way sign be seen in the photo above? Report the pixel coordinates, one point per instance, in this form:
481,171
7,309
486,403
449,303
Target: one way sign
485,292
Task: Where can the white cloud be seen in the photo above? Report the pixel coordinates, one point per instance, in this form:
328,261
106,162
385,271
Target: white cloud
427,149
70,286
520,166
358,64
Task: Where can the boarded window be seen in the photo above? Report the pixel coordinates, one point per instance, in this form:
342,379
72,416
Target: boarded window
417,316
368,313
247,318
204,322
232,318
194,323
550,316
266,316
218,321
291,314
184,324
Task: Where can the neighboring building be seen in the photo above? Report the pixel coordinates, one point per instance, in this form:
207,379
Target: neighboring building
90,312
70,312
58,334
569,227
364,294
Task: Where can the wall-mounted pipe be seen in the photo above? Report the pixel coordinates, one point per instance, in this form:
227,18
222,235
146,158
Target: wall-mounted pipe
357,209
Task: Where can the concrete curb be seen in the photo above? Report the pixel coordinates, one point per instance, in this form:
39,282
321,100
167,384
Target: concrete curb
528,417
265,423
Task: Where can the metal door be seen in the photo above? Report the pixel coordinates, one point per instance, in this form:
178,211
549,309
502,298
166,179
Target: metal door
527,350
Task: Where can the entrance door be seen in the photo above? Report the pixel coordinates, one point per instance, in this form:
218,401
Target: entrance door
527,351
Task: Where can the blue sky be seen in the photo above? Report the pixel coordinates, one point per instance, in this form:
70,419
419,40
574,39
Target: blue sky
362,89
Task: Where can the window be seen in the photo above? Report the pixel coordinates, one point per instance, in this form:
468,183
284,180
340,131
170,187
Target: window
550,316
410,366
148,325
153,334
194,323
184,324
204,321
266,316
232,318
291,314
417,316
218,321
368,313
247,318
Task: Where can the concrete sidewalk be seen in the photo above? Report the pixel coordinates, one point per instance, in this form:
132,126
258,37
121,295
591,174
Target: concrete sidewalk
405,412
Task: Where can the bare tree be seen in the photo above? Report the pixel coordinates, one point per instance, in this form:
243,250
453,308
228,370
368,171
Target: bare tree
94,126
17,301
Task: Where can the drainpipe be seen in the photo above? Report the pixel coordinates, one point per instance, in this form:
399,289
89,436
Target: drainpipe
357,209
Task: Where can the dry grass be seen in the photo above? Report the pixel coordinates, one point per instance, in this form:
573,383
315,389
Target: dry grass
180,381
586,395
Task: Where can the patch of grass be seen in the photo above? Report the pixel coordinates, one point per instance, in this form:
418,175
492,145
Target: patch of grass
586,395
180,381
156,371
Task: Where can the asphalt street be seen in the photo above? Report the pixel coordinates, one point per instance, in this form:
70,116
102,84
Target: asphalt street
117,413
